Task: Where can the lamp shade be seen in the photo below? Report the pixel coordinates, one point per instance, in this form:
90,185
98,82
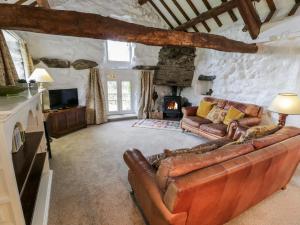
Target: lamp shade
41,75
286,103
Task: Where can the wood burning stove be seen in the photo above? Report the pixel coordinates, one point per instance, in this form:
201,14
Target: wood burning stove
172,107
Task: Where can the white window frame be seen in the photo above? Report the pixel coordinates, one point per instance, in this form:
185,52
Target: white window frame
119,64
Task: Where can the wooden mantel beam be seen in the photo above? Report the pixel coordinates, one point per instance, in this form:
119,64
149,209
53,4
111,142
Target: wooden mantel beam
78,24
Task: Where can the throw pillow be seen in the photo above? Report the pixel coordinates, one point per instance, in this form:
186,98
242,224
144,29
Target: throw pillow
216,115
204,108
257,132
233,114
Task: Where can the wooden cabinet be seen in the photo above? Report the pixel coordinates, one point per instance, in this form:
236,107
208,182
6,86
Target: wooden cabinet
65,121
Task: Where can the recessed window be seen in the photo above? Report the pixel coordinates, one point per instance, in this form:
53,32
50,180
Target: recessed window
118,51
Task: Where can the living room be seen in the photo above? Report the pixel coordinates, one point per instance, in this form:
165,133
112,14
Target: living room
149,112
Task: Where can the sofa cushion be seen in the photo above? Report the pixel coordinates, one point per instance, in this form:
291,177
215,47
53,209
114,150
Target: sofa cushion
216,115
248,109
220,102
204,108
195,121
180,165
233,114
218,129
281,135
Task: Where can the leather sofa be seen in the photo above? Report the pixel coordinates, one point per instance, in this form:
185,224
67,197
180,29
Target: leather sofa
214,187
204,127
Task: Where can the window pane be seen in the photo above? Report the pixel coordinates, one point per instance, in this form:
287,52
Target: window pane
118,51
126,95
112,95
15,52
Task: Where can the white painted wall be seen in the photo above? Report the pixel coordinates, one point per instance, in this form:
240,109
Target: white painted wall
72,48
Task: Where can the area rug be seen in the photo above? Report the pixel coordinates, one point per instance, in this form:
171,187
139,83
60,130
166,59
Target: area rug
158,124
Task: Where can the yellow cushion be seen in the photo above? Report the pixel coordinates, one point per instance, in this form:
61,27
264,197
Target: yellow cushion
204,108
233,114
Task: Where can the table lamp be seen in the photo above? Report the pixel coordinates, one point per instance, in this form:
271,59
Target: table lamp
285,104
41,76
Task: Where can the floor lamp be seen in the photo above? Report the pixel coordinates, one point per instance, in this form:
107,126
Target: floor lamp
285,104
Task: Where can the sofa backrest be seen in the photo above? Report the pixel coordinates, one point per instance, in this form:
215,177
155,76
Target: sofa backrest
250,110
216,194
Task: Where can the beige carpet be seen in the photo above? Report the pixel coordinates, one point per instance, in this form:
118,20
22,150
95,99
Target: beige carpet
90,179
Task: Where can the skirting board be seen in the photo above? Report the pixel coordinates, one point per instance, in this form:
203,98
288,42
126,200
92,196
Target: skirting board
41,210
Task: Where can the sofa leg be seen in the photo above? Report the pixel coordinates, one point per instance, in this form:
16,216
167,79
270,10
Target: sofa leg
283,188
182,130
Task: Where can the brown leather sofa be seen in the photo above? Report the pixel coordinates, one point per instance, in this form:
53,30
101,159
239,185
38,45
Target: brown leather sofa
204,127
214,187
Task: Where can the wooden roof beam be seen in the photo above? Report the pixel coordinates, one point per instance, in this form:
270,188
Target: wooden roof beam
183,13
272,8
79,24
191,4
208,6
170,12
295,7
231,13
161,14
43,3
250,17
224,7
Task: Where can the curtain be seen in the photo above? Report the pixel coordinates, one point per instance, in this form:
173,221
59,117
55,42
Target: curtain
27,60
146,94
8,73
96,107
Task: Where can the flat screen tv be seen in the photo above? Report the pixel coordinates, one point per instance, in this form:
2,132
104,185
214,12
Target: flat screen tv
63,98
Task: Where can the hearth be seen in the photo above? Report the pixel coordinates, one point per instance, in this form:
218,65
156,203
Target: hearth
172,107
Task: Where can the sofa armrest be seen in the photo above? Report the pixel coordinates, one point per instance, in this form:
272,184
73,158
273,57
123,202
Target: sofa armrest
249,121
236,130
189,111
148,193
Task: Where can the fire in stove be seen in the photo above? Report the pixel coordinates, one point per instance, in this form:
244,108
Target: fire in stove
172,105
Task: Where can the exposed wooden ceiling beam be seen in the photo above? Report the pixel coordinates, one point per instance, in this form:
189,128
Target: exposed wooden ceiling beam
142,2
191,4
272,8
224,7
78,24
231,13
208,6
20,2
295,7
250,17
170,12
43,3
161,14
183,13
33,4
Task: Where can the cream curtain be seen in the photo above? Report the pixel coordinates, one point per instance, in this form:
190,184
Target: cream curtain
145,103
27,60
8,73
95,105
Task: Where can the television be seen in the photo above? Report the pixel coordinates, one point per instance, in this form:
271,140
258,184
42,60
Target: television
63,98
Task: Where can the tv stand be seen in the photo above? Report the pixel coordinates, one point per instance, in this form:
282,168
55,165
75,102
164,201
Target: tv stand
64,121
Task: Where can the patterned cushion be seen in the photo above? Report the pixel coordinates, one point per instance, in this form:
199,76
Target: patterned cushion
258,131
216,115
233,114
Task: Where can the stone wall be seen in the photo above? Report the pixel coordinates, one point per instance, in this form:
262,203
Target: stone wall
255,78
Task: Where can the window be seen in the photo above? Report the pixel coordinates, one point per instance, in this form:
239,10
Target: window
15,52
119,97
118,51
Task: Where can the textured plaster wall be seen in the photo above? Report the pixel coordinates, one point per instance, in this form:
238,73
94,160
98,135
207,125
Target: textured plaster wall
254,78
72,48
